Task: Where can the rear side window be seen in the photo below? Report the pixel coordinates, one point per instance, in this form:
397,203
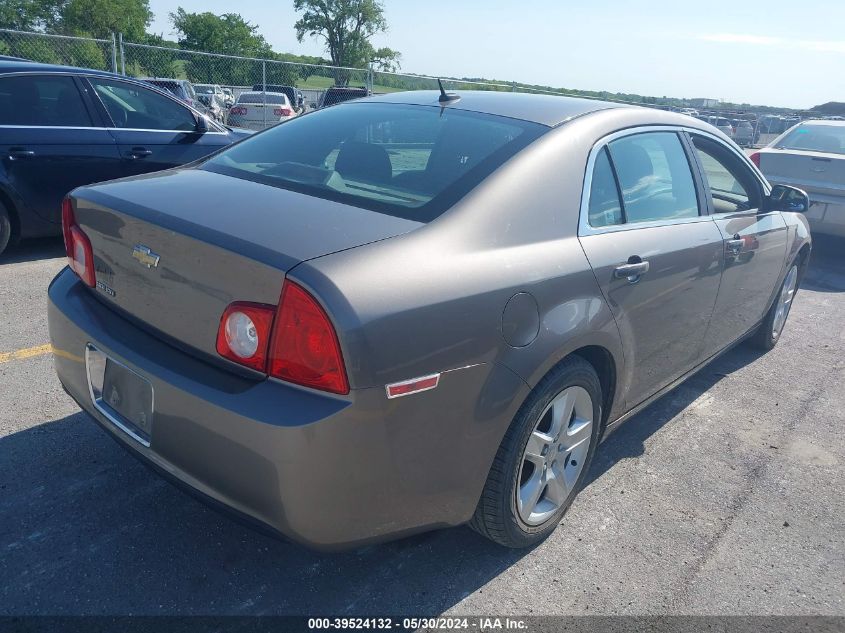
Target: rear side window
131,106
409,161
42,100
654,176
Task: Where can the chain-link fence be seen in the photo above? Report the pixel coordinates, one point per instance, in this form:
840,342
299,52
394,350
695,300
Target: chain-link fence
60,49
307,84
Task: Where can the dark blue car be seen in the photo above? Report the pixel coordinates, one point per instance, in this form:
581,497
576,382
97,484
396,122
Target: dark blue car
63,127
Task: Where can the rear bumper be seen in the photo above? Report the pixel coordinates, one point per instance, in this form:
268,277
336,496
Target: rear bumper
827,217
326,471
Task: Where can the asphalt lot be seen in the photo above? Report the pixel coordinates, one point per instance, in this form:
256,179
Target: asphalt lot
724,497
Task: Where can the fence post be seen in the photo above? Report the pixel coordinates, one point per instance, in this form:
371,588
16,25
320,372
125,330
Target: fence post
513,86
264,89
370,78
122,55
113,54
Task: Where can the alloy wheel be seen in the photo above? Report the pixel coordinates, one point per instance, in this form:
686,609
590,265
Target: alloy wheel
554,456
787,293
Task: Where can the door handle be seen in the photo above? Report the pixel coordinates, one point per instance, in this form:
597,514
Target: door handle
734,245
17,153
139,152
631,271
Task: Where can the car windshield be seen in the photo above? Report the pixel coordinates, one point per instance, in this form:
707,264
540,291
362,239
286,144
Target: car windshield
259,97
409,161
204,90
816,138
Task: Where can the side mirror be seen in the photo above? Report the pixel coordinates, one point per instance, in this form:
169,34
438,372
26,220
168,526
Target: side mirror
202,124
786,198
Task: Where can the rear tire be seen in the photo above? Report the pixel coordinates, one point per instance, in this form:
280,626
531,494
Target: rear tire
544,458
5,228
770,330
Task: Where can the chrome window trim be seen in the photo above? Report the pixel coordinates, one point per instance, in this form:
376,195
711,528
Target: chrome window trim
584,226
107,129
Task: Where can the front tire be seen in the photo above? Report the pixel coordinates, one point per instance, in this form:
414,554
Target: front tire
769,332
543,459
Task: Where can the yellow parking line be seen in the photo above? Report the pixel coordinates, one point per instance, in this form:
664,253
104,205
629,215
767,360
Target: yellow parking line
30,352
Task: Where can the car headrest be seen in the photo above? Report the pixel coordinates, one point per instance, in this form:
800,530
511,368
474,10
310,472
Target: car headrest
363,161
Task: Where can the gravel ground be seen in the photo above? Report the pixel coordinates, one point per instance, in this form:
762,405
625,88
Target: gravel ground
724,497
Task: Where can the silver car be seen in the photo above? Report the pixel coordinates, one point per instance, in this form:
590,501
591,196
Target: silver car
811,156
259,110
417,310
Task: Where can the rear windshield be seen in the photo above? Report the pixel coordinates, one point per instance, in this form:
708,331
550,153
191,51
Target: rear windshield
259,97
816,138
409,161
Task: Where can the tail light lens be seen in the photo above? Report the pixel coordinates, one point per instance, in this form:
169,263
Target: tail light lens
244,334
295,342
755,158
238,110
80,255
305,349
282,111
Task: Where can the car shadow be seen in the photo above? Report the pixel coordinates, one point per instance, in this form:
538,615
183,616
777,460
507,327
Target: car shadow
826,272
33,250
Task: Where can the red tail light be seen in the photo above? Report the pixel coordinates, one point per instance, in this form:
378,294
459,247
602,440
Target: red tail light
304,348
238,110
295,342
80,255
282,111
244,334
755,158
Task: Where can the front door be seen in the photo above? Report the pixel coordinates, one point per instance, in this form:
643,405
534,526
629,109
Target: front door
655,256
153,131
755,242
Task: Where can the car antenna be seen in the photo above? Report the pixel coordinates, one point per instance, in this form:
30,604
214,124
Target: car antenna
446,97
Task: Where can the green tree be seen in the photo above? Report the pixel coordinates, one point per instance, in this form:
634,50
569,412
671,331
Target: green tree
101,18
228,33
28,15
346,27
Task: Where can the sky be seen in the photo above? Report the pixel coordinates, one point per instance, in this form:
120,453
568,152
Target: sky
764,52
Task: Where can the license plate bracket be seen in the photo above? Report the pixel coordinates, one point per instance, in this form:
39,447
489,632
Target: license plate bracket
122,395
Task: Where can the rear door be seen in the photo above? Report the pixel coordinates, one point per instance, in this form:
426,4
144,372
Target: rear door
754,241
153,131
654,251
51,140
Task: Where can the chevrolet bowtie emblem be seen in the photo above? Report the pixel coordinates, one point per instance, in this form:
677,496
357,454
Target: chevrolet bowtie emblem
145,256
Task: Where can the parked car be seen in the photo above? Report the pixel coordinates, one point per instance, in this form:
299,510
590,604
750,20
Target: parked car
259,110
212,107
294,95
180,88
422,313
811,156
689,111
722,124
339,94
229,97
212,90
743,132
62,127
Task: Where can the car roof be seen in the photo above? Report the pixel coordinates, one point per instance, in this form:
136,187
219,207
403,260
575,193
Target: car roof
9,66
550,110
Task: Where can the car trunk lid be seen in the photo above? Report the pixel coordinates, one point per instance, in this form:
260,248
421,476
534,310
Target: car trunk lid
820,174
173,250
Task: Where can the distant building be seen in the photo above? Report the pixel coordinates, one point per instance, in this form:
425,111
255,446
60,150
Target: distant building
701,102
